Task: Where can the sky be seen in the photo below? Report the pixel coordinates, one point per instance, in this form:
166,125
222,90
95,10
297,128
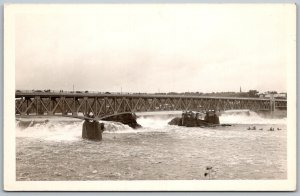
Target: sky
153,48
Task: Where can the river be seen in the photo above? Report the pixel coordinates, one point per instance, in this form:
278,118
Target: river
52,149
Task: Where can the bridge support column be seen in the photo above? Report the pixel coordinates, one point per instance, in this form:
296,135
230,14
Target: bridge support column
92,130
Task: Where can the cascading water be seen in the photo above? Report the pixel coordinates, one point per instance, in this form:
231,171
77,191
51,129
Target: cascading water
62,129
248,117
59,129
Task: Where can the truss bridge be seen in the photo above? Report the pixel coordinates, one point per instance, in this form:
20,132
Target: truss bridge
101,105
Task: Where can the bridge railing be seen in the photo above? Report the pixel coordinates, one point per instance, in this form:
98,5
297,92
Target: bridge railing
128,95
109,94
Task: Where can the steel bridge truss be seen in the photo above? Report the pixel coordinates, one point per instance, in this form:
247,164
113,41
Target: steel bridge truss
105,105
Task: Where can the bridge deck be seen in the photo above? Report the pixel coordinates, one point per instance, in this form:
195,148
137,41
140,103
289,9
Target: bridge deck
71,94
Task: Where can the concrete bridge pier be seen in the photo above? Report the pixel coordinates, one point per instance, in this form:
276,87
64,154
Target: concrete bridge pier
92,130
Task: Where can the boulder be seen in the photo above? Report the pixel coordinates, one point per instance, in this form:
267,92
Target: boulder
190,119
188,122
125,118
176,121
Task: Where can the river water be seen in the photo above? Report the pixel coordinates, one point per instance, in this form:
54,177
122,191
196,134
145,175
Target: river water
52,149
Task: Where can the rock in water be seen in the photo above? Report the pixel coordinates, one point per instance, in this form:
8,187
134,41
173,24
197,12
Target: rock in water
126,118
191,119
212,118
92,130
176,121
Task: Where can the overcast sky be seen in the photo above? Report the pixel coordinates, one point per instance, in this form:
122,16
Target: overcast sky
154,48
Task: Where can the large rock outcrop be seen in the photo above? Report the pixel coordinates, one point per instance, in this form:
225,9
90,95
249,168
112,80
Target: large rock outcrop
191,119
125,118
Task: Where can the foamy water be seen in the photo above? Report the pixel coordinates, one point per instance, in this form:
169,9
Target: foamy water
66,129
52,149
248,117
62,129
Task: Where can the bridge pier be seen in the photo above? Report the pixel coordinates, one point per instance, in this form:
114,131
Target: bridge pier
92,130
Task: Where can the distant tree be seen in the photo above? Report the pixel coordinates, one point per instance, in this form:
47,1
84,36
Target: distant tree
253,93
272,92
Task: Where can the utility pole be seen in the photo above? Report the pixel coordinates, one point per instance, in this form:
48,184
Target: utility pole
73,88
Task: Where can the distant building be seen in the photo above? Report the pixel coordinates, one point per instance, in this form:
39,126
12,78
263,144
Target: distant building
277,95
281,95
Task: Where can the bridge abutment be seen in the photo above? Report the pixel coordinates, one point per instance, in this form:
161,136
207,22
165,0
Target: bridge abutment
92,130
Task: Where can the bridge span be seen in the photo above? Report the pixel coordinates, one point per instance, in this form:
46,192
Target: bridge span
101,105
